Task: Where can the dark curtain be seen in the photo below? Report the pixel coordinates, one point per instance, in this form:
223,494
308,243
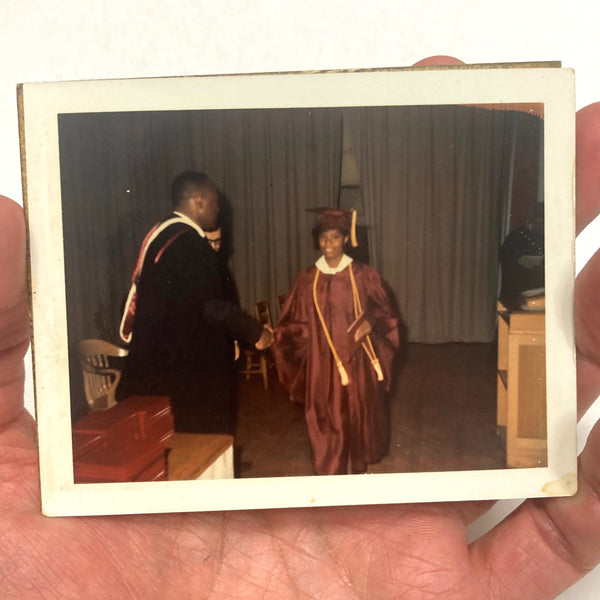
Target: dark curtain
435,182
116,170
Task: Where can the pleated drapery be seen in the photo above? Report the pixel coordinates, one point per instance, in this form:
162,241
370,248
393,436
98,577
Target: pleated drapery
435,187
116,170
436,184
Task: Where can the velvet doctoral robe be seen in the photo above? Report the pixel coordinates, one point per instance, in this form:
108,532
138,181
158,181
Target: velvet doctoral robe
183,331
347,424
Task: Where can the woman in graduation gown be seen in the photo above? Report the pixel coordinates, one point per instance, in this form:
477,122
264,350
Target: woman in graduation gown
334,346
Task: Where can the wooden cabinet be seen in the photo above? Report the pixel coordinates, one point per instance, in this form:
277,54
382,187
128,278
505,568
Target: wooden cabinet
521,410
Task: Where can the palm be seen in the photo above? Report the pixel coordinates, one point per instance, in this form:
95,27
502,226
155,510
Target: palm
409,551
361,552
413,551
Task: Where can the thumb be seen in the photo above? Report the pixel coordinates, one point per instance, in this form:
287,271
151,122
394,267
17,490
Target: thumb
14,320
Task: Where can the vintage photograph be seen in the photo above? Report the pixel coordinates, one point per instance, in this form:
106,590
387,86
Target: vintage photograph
315,288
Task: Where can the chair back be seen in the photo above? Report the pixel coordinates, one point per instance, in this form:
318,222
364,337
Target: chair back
101,366
263,313
255,361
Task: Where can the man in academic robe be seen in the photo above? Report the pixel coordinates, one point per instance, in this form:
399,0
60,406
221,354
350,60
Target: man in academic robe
178,320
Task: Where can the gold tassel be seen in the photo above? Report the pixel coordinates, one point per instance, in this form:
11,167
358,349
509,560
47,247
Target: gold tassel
377,368
343,374
367,344
338,360
353,240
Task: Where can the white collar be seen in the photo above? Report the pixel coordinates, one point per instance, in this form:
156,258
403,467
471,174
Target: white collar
322,265
191,223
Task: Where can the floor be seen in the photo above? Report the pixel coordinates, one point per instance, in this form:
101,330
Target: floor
442,413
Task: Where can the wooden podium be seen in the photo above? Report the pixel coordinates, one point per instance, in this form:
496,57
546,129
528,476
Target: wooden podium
521,411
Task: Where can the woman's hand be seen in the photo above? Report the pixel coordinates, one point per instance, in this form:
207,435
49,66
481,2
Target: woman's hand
363,329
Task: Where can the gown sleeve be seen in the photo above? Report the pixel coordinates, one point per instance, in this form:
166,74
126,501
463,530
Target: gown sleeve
291,345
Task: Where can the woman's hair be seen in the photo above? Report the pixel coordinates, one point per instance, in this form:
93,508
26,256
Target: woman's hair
320,228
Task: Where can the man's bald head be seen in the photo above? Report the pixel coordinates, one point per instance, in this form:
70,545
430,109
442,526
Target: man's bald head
195,195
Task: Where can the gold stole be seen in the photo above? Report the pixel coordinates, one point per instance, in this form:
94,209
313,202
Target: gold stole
367,345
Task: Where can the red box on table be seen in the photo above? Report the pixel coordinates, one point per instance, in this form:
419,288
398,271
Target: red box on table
123,443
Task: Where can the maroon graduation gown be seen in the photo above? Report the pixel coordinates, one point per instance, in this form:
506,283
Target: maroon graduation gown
346,424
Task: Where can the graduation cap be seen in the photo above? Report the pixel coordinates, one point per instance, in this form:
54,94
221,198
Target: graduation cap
335,218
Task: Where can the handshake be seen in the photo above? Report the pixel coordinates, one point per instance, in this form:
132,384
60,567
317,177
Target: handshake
267,337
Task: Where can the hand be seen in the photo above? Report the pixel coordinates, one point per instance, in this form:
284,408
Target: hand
410,551
363,329
266,338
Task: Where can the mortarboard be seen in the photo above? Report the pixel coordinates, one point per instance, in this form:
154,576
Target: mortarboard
335,218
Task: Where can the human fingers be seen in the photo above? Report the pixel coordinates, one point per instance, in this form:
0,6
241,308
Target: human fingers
588,162
587,328
14,320
435,61
587,284
549,544
546,545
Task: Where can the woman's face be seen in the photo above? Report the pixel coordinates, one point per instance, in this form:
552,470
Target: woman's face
331,243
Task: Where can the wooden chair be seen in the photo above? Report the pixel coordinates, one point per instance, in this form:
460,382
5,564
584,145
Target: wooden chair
257,362
262,310
101,368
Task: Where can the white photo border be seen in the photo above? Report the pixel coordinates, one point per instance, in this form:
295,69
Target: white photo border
40,103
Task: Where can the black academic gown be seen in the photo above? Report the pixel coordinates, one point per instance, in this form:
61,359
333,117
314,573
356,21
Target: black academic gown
182,333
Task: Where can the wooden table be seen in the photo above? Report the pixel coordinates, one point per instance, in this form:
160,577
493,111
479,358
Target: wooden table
522,386
200,456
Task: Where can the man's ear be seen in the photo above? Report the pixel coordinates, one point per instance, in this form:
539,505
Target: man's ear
199,201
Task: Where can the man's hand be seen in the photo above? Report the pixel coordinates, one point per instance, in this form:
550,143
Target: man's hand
266,338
